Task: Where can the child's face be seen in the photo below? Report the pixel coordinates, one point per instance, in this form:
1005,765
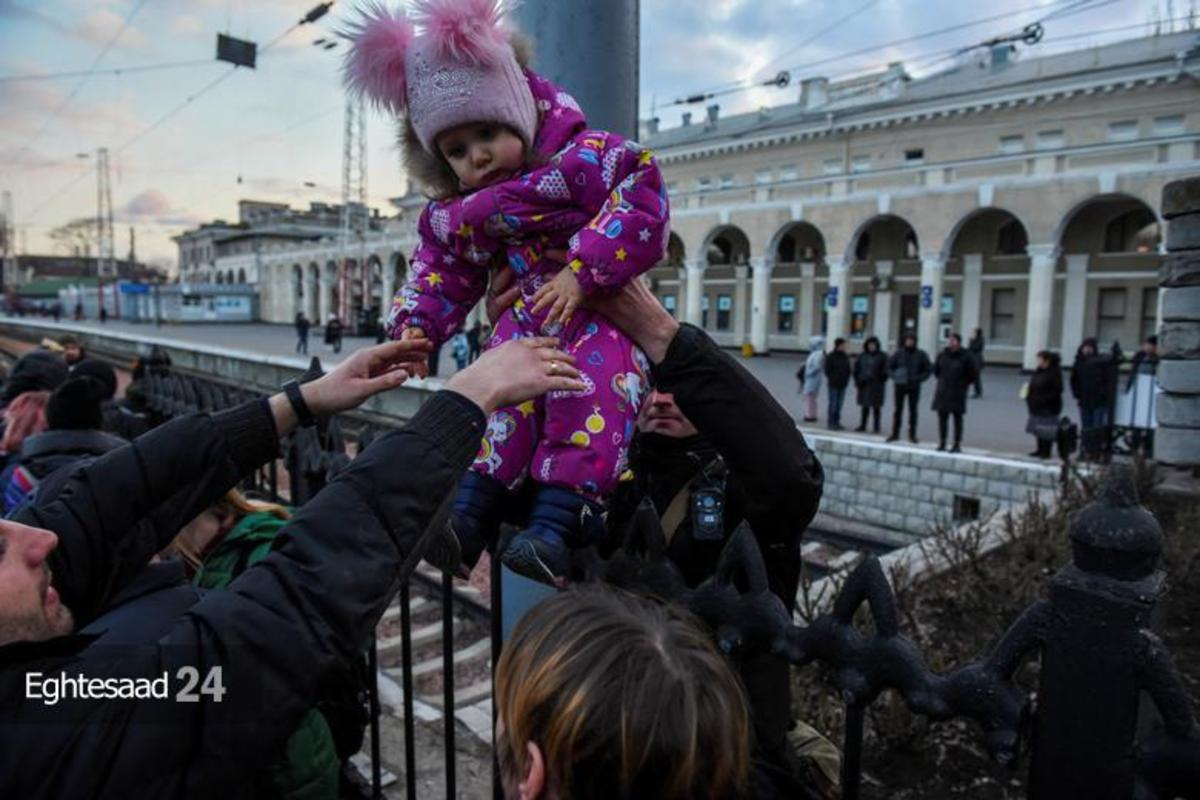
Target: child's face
481,153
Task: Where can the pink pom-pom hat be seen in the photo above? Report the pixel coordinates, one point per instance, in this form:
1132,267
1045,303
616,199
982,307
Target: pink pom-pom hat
446,64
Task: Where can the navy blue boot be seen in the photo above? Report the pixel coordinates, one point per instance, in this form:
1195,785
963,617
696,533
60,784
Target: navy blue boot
472,527
560,521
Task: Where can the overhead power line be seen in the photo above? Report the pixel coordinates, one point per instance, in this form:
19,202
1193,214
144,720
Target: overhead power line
1071,7
57,76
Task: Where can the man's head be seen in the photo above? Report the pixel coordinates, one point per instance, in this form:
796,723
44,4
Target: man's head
660,415
955,342
1150,346
839,344
30,609
72,349
909,341
75,406
102,373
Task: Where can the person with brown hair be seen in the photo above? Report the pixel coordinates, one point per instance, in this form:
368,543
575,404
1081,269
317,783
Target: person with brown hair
602,694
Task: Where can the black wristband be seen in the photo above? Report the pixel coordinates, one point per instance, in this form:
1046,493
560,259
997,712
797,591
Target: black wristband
291,389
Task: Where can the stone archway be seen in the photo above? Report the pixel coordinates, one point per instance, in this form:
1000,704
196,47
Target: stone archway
987,276
792,306
721,294
880,288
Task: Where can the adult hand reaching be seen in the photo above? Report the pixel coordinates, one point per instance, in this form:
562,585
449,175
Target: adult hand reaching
516,371
636,311
502,292
365,373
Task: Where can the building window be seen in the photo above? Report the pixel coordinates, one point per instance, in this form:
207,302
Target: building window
704,312
832,166
916,156
1149,311
787,313
726,181
1012,144
1111,318
762,176
724,306
704,184
668,302
1004,315
788,172
1050,140
860,163
1169,125
1123,131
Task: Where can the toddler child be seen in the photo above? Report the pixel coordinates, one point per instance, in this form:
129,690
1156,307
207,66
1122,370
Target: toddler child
515,174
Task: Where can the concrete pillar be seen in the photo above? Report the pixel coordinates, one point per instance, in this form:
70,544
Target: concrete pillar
838,298
389,290
325,294
1177,440
680,292
312,293
695,289
971,301
806,323
929,315
1074,304
760,302
882,306
1042,260
610,95
740,274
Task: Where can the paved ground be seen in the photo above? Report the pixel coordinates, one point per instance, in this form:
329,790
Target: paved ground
994,422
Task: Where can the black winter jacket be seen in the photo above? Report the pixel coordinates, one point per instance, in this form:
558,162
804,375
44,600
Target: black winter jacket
1092,380
837,369
909,368
955,371
1045,392
870,376
309,606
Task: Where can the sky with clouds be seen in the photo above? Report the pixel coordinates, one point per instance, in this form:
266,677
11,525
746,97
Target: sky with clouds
275,133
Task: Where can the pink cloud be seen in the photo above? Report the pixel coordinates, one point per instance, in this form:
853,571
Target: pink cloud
153,207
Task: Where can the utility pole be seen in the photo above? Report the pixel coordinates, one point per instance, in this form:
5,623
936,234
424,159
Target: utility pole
8,245
105,264
354,198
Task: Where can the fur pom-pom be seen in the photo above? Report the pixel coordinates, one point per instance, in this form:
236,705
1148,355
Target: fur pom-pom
465,30
374,67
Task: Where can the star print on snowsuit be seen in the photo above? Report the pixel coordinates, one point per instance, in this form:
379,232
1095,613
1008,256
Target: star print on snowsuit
603,200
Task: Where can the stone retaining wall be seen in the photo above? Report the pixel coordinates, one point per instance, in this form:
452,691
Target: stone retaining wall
908,489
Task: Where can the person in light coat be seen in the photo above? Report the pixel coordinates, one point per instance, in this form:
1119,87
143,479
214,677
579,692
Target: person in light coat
811,375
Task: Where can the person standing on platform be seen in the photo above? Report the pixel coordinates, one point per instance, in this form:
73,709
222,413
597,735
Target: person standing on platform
837,370
302,326
1144,362
811,376
333,333
1044,401
103,314
870,378
908,368
976,348
955,372
1091,385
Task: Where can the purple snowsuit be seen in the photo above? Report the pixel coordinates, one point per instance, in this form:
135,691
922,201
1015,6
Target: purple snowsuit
603,200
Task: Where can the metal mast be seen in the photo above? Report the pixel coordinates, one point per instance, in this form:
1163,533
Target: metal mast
8,244
106,267
354,199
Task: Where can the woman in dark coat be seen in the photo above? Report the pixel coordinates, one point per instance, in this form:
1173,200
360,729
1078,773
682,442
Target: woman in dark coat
870,377
1044,401
955,372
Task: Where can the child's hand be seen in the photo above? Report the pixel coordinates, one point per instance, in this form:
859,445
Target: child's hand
416,334
563,295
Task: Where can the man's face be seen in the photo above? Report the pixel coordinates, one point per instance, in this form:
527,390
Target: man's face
72,353
30,609
659,414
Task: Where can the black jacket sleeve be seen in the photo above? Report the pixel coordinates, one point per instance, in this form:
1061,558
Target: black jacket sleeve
764,450
308,607
115,513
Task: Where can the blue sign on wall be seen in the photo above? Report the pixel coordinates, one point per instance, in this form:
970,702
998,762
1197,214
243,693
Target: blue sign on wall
831,297
926,297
